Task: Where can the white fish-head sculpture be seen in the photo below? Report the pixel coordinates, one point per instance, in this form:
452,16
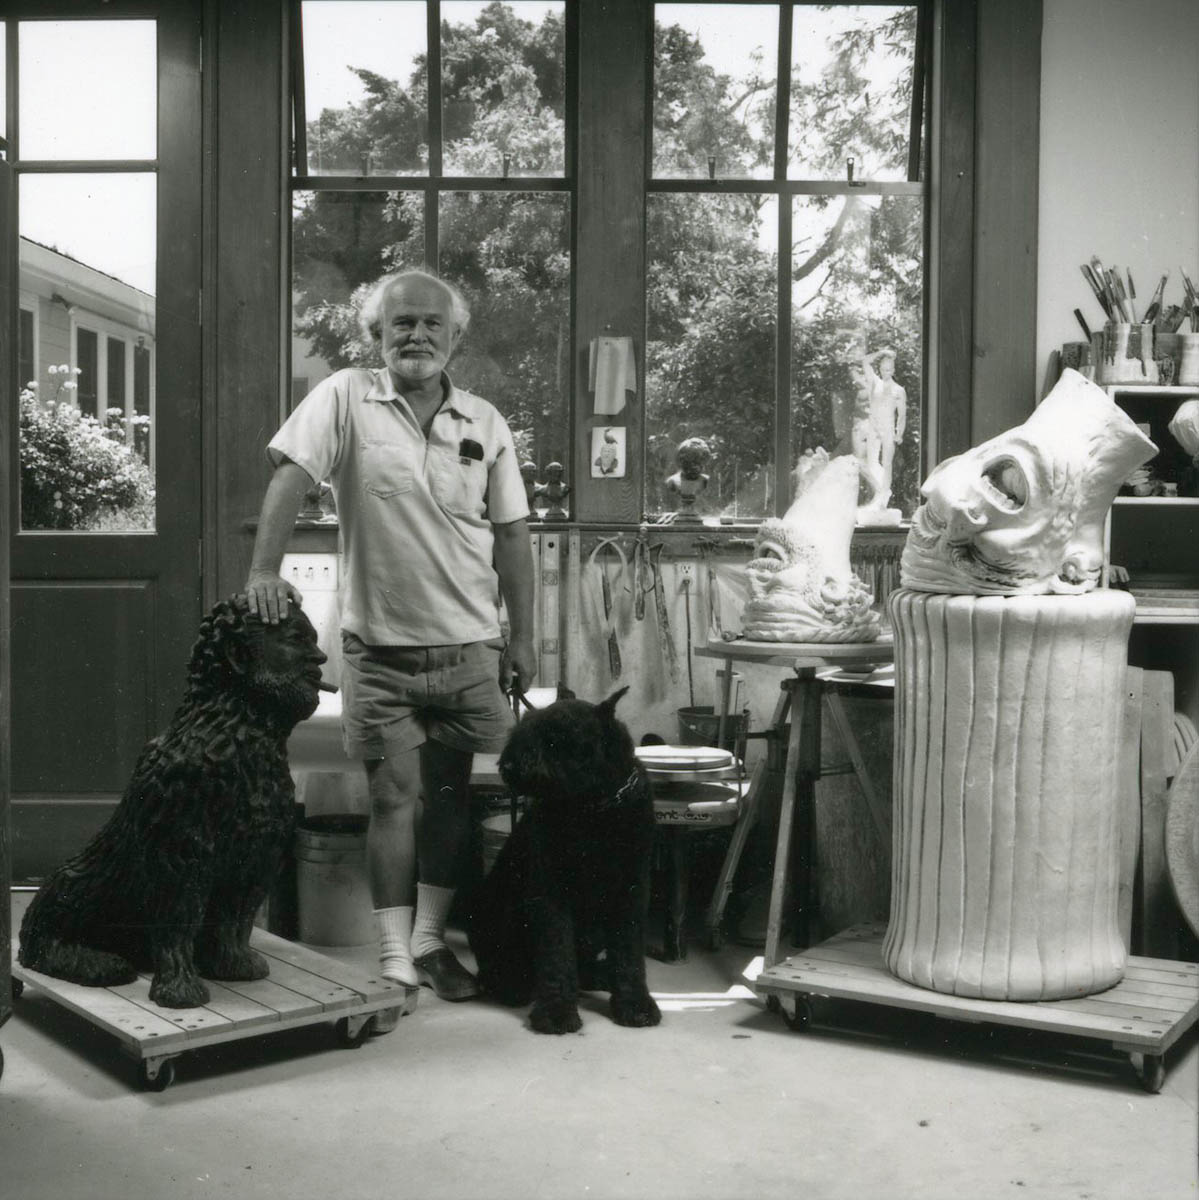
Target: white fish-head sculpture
801,585
1023,513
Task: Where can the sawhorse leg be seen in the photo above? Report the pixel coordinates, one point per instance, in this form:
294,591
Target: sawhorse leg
746,819
797,816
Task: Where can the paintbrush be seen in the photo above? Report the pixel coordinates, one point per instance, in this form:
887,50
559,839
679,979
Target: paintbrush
1132,293
1089,275
1155,302
1086,329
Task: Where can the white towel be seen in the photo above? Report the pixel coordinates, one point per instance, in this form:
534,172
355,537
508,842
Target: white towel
612,371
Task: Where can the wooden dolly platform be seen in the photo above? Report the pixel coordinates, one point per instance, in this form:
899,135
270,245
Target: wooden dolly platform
304,988
1155,1003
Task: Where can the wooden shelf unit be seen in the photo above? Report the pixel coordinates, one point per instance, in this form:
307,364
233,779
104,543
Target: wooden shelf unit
1159,549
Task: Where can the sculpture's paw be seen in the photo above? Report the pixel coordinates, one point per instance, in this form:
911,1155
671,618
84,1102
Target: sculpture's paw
234,962
178,991
557,1017
638,1013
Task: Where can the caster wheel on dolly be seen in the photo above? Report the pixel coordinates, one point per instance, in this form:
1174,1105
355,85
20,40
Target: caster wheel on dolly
798,1015
156,1080
1152,1073
352,1032
773,1004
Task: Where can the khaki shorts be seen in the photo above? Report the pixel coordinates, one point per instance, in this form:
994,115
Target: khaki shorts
396,698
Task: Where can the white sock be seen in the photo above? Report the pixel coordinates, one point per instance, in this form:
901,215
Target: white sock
432,909
394,926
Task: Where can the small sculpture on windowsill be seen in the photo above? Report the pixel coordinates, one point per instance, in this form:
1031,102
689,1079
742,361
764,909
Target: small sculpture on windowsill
318,504
528,475
880,415
689,482
554,491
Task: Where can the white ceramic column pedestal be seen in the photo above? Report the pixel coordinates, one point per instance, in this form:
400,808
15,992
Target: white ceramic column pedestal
1006,839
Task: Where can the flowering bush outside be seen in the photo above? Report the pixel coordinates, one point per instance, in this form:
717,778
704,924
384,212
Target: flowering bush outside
77,473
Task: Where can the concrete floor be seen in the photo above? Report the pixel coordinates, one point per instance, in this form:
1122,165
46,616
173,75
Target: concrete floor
722,1100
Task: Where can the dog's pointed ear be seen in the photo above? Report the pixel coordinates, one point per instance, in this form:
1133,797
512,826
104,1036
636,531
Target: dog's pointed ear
564,693
608,707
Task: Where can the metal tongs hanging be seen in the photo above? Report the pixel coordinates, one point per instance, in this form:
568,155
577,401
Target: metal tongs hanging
607,592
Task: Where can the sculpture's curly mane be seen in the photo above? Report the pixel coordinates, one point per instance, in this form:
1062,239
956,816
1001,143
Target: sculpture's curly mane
209,673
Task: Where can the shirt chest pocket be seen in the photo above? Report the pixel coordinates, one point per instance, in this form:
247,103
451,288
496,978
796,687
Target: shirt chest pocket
388,468
458,484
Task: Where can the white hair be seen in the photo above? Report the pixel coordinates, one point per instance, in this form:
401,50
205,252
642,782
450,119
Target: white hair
370,315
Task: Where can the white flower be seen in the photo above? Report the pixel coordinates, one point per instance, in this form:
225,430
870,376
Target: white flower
78,370
57,495
70,385
32,385
51,370
58,504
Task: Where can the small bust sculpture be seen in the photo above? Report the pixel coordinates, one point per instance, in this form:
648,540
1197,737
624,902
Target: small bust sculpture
689,481
528,475
801,585
1023,513
554,491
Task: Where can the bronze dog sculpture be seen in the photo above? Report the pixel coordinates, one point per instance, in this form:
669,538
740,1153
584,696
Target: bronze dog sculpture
173,880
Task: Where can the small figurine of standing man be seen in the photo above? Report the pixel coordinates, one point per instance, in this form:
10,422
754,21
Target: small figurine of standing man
877,431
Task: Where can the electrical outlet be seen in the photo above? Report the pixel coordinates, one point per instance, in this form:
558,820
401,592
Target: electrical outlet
310,572
684,570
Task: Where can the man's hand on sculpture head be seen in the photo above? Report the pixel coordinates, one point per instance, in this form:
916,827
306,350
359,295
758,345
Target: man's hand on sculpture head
520,660
268,594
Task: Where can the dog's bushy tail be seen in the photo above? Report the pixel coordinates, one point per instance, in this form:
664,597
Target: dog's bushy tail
77,964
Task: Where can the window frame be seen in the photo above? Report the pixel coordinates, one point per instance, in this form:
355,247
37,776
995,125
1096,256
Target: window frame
610,41
786,189
431,185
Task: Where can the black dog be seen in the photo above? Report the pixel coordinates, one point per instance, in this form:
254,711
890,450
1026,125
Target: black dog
564,906
172,882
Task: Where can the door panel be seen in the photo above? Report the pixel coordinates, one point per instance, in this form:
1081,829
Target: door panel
104,616
86,709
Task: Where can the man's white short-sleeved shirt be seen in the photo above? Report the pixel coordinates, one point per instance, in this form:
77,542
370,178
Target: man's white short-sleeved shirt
415,515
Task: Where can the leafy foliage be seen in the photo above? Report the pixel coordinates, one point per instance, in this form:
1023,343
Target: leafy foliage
77,473
712,278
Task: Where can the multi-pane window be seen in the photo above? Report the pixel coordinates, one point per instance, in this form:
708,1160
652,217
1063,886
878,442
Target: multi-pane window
85,159
434,135
785,235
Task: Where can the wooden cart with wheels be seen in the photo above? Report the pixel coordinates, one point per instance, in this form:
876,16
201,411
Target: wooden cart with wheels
303,988
1155,1003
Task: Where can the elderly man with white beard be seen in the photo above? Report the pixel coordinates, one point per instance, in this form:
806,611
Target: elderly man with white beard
432,531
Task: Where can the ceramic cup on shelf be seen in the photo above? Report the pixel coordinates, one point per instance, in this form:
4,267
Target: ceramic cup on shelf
1188,367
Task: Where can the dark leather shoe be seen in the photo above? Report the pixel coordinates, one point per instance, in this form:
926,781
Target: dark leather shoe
441,971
